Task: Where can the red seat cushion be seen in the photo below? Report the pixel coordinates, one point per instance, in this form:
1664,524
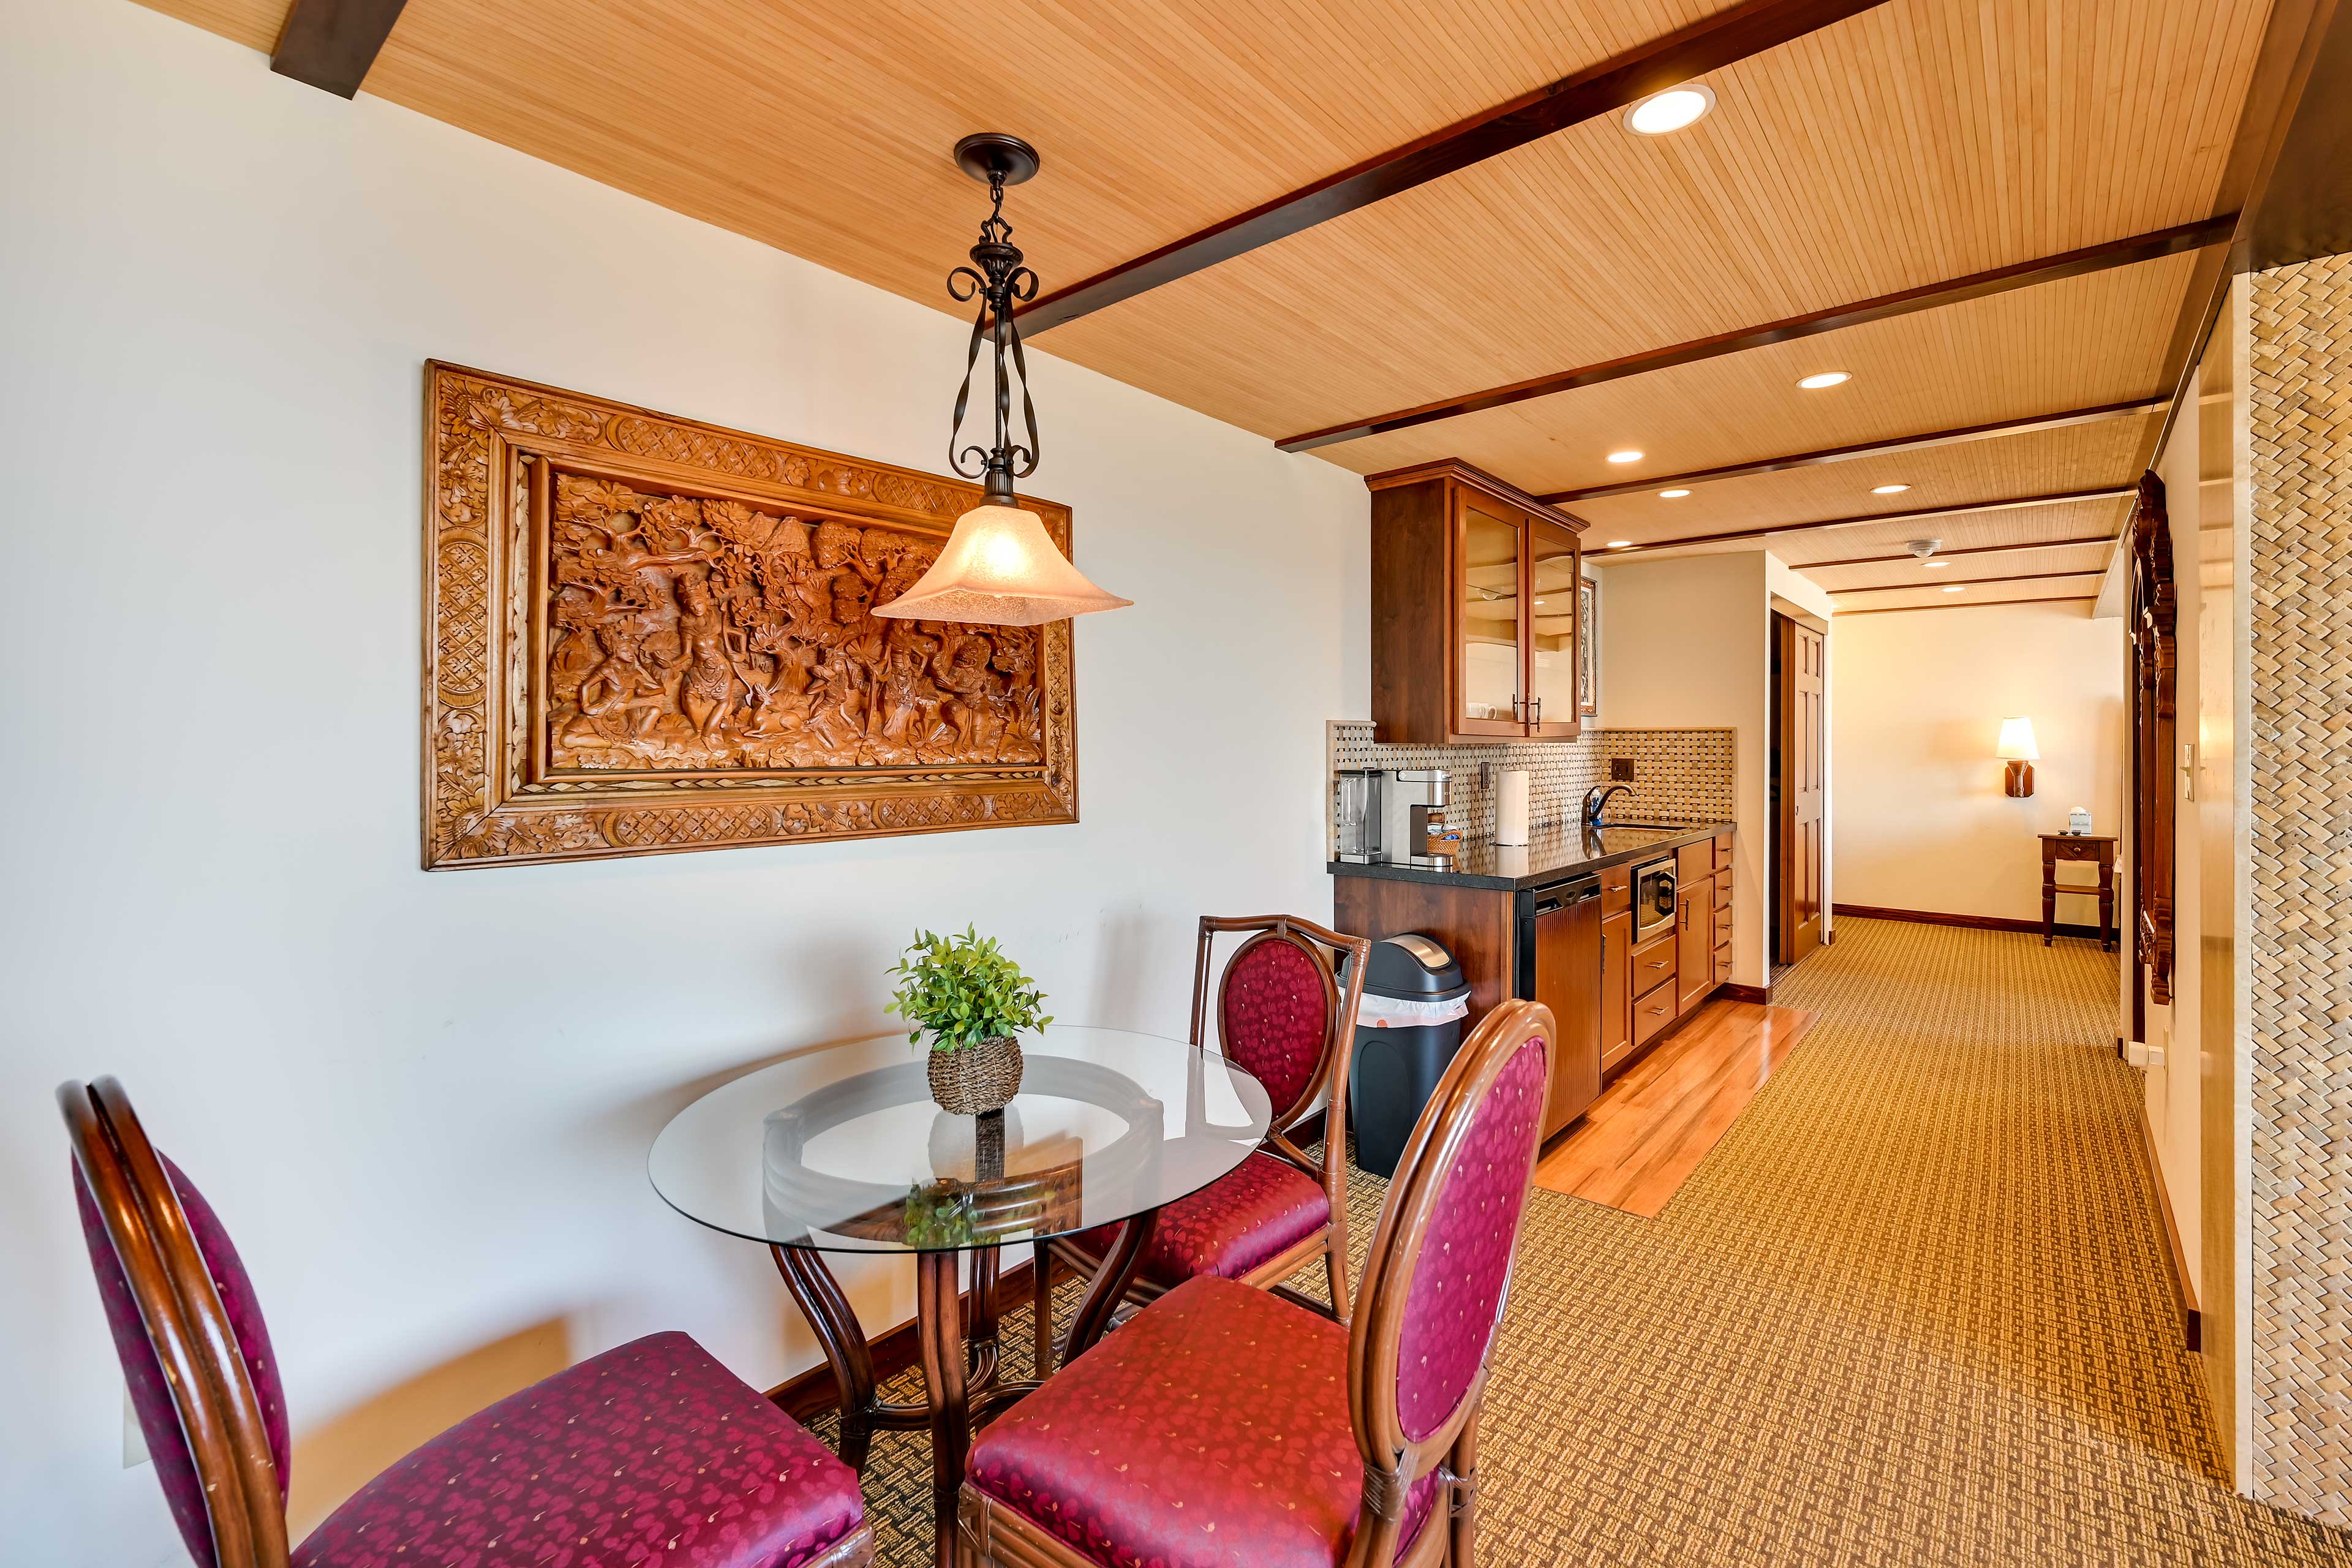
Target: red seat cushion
1231,1225
649,1456
1209,1431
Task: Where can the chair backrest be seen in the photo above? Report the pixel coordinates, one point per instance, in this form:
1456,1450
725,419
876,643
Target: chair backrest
1438,1273
1281,1012
196,1353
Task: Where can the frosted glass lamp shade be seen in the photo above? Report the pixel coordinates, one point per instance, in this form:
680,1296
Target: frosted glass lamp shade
1000,568
2017,741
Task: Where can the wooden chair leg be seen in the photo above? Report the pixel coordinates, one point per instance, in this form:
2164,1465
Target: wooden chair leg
1463,1460
1335,1270
1041,1308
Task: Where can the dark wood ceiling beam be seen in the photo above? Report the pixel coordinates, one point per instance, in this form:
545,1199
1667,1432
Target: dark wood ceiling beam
1940,586
2087,539
1999,427
330,44
2294,42
2012,503
1977,605
1614,84
1885,306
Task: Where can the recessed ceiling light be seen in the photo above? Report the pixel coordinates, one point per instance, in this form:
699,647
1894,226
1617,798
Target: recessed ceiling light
1936,566
1826,378
1671,110
1673,495
1888,489
1626,456
1619,543
1538,601
1954,587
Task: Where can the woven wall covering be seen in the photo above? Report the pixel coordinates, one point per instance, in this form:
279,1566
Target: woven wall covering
2299,412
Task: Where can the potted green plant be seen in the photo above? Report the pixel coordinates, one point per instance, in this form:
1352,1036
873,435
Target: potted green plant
972,1001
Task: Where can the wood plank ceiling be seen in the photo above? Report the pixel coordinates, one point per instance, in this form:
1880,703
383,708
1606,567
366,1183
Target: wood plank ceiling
1912,143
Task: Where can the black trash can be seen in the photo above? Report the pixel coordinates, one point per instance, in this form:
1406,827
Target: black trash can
1407,1029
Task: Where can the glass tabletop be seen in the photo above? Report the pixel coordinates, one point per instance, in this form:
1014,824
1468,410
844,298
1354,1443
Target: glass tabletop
843,1150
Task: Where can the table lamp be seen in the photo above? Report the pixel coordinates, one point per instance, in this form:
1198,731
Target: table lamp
2016,749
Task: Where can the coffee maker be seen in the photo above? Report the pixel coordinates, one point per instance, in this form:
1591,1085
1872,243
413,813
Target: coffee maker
1389,816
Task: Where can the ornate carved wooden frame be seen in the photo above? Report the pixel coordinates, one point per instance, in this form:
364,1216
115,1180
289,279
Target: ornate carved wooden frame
488,797
2155,678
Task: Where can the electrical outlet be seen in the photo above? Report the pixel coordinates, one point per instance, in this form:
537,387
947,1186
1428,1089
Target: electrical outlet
1621,769
134,1436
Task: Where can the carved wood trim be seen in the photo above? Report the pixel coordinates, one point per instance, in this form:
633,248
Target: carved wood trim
684,752
2155,676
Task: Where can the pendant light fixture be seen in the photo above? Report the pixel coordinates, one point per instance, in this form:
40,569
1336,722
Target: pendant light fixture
1000,567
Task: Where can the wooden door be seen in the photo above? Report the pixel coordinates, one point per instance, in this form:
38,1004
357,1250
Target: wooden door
1801,787
1490,568
1552,633
1616,986
1694,941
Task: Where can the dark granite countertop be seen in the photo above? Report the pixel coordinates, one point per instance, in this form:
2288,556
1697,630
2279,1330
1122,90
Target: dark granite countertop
1560,849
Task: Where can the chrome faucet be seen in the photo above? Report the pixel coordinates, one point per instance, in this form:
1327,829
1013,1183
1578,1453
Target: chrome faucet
1596,800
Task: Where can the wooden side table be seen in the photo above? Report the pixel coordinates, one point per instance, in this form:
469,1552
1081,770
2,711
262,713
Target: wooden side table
2095,846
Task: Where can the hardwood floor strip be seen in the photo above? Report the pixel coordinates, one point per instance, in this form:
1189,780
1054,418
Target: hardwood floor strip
1640,1141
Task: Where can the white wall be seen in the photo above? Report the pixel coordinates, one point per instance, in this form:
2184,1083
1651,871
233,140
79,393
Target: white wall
1921,821
1686,643
423,1101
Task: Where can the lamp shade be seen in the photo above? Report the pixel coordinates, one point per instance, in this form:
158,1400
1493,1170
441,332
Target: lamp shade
2017,741
1000,568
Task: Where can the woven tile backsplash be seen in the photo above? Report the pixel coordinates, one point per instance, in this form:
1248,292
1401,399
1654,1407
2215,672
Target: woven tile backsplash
1679,775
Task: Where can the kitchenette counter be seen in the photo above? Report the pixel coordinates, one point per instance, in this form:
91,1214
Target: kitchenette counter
1560,849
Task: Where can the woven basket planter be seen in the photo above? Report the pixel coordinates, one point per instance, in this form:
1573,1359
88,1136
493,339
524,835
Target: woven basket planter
978,1078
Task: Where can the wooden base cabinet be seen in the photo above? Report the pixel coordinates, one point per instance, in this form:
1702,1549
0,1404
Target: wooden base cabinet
1670,976
1616,992
1693,942
1481,927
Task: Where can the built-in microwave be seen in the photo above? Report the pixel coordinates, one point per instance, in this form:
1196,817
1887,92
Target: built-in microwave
1653,898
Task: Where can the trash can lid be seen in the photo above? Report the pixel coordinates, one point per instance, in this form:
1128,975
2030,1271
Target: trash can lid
1410,966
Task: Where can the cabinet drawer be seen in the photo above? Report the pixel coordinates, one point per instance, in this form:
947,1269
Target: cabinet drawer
1692,861
1653,1013
1616,890
1653,963
1723,889
2059,849
1723,965
1722,850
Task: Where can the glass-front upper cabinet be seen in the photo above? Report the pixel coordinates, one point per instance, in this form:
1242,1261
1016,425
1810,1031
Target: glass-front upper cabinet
1474,632
1554,637
1490,653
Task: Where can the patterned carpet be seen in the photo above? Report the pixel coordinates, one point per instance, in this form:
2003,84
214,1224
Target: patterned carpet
1910,1310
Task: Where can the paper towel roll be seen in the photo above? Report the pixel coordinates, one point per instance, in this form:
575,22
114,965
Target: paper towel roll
1511,806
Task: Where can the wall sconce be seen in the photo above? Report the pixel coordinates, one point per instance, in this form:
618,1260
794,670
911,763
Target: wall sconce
2016,749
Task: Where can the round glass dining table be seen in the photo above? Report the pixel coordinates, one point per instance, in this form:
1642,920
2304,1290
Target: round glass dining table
843,1150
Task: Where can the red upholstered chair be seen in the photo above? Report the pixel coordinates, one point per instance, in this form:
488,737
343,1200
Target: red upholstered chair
1282,1016
648,1456
1224,1426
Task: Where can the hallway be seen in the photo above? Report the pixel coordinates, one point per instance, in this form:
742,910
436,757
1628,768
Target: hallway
1911,1310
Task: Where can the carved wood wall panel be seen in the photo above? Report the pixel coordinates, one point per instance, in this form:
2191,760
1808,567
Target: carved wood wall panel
2155,677
646,634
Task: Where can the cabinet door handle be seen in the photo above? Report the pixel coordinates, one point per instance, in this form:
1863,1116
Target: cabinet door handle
1534,709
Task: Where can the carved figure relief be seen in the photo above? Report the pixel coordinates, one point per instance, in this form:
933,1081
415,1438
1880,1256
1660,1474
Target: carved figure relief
648,634
702,634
